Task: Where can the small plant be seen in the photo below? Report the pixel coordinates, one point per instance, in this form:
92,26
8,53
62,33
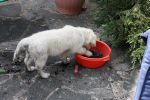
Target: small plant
2,71
123,22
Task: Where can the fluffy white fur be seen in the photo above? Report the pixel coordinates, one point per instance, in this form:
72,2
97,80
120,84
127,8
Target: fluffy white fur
54,42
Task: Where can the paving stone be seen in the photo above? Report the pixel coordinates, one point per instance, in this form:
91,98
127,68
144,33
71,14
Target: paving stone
121,66
118,90
42,88
64,94
4,78
10,9
10,88
19,28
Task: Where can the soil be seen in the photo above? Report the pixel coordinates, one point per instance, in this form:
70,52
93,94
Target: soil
9,67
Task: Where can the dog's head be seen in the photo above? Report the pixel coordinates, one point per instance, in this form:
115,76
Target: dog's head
90,37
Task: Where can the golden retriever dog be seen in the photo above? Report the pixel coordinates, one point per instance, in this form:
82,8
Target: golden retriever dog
69,39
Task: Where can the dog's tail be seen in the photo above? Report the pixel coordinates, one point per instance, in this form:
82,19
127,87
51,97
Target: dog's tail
20,49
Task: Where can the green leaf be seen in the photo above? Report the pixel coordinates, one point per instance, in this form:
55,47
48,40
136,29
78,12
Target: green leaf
2,71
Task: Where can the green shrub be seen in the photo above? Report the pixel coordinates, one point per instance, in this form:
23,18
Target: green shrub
124,23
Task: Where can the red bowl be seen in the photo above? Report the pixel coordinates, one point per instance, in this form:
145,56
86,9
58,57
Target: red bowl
95,62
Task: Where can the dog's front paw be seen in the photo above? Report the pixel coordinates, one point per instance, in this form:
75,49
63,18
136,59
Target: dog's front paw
66,61
31,68
88,53
45,75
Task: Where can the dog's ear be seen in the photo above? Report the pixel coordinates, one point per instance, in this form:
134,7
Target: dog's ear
88,39
91,37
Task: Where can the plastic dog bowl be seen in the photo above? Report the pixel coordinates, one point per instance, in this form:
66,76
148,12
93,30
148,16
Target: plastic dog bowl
95,62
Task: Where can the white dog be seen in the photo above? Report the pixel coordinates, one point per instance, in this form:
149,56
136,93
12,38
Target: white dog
39,46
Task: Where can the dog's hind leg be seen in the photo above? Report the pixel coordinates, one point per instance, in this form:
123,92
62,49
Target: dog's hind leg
40,63
28,60
29,66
